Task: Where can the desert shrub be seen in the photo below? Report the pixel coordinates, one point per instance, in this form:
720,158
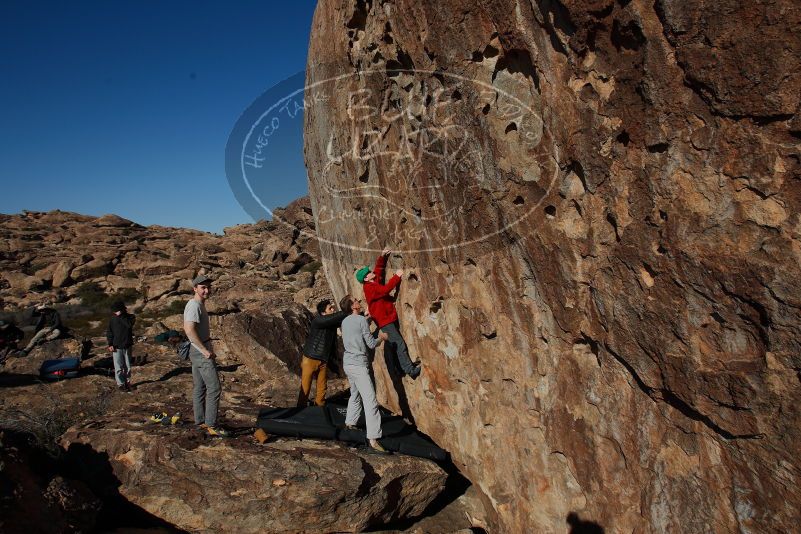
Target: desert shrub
94,297
157,314
175,307
91,316
36,266
48,419
91,294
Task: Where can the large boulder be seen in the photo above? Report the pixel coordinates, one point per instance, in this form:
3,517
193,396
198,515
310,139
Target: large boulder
269,342
22,281
114,221
61,273
597,205
92,269
238,485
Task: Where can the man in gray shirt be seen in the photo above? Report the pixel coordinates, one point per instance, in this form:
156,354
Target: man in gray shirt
206,392
357,339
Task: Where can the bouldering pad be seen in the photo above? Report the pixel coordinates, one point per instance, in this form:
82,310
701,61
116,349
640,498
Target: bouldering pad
328,422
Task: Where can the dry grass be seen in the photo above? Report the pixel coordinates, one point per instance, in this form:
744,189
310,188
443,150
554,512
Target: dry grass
47,420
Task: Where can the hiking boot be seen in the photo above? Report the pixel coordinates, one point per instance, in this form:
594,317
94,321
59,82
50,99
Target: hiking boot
376,447
123,388
129,387
217,432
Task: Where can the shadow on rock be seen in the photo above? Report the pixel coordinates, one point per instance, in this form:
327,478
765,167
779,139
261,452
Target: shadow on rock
455,486
396,376
579,526
10,380
94,469
172,373
229,368
34,497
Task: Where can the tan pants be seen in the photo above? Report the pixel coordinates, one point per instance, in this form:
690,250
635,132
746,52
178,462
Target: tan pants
309,368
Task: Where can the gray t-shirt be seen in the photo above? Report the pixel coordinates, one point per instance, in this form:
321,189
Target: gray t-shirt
356,338
195,312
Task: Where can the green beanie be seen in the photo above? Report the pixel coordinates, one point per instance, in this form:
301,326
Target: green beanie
361,273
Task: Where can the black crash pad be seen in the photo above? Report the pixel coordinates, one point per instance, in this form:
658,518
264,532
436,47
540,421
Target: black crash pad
328,422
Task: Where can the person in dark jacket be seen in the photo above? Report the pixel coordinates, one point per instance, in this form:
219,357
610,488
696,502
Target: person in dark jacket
319,347
120,341
48,327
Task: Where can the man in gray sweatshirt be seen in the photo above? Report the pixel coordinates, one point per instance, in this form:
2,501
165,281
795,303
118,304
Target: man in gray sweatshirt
357,339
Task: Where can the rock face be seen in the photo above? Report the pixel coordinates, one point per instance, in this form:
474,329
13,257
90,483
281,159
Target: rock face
269,343
597,204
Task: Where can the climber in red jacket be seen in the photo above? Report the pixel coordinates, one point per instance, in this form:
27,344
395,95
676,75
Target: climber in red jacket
381,306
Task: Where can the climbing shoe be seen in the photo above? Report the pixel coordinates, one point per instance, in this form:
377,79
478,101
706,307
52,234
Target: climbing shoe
172,420
415,373
217,432
376,447
166,419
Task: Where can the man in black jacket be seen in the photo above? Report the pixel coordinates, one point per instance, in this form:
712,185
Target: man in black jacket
319,347
120,340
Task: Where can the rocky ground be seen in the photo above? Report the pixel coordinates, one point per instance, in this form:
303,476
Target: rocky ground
80,455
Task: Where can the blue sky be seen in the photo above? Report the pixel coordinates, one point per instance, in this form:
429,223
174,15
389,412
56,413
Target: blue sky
126,107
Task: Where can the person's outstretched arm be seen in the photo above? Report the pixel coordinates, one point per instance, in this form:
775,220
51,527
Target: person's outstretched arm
333,320
382,290
378,270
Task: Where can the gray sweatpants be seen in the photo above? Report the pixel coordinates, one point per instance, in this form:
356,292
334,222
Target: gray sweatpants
362,391
397,343
122,365
48,333
207,390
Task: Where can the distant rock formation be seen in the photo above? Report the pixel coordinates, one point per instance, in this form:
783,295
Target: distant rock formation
47,256
599,202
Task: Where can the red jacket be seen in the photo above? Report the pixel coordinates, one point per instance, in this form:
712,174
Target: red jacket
380,304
